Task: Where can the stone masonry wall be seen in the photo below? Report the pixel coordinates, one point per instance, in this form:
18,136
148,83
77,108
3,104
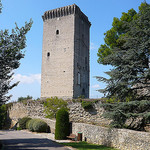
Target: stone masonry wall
122,139
93,116
35,109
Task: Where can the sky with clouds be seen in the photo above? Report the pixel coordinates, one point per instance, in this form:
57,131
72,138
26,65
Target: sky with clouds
100,14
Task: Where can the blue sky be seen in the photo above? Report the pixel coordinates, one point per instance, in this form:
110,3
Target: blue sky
100,14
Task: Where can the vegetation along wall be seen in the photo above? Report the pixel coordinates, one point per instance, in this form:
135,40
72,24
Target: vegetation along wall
88,121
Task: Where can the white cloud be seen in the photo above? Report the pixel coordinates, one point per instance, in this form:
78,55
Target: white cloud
27,79
93,46
95,86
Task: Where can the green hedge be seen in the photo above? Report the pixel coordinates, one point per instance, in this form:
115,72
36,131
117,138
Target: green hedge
40,126
37,125
3,116
62,124
23,121
30,124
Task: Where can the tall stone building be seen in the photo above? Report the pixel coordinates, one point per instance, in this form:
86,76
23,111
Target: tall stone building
65,53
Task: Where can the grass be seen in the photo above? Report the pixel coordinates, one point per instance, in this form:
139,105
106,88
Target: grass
87,146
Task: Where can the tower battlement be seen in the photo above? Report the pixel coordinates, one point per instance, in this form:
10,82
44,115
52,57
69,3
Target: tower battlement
65,11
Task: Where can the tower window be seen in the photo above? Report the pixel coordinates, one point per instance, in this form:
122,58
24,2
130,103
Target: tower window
78,78
48,54
57,32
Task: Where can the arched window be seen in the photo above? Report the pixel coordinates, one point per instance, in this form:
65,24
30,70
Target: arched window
48,54
57,32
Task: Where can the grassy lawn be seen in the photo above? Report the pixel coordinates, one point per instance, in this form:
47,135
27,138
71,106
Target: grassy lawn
87,146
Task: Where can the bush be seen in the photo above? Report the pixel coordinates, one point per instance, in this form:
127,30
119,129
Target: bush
24,98
30,124
3,116
19,128
87,104
62,124
37,125
52,105
23,121
40,126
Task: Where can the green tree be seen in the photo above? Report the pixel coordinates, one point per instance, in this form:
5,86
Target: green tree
3,116
52,105
0,6
11,51
132,115
130,59
113,36
129,55
24,98
62,124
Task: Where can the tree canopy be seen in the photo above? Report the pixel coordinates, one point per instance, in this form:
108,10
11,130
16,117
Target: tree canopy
127,49
0,6
11,51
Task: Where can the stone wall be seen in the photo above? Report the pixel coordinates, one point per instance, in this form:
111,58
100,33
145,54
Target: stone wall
35,109
93,116
26,108
122,139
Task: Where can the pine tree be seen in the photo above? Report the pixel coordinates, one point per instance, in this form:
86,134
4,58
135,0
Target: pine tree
130,59
129,82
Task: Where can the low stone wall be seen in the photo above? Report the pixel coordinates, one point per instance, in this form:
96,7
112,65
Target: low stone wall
76,112
91,116
26,108
122,139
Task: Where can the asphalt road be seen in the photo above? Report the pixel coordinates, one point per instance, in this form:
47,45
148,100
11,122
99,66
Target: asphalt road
19,140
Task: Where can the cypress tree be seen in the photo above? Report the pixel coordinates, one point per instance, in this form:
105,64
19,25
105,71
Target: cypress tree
62,124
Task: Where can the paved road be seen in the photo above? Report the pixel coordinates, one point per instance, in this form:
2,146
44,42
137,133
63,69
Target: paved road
19,140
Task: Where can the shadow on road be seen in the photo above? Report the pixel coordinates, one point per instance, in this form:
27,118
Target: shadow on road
33,143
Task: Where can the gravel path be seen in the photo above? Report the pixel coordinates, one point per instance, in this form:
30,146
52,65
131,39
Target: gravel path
19,140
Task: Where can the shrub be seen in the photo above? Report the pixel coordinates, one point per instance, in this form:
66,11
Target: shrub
87,104
52,105
62,124
30,124
23,121
19,128
27,124
24,98
37,125
40,126
3,116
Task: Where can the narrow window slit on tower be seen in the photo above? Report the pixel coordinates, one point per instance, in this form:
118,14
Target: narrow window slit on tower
48,54
57,32
78,78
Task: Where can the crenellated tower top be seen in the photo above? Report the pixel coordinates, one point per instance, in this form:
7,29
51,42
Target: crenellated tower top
65,11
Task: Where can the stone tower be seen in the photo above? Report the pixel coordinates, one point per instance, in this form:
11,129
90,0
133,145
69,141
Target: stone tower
65,53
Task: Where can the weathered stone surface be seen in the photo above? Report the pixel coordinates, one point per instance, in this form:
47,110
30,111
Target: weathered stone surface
76,112
65,53
122,139
94,116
